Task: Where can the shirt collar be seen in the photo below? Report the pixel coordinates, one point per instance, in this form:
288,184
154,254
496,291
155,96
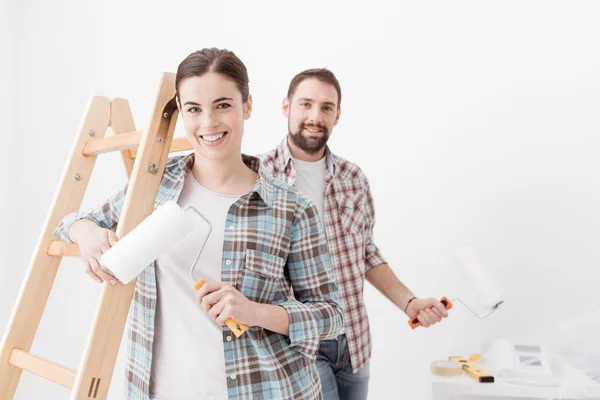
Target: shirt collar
262,186
285,158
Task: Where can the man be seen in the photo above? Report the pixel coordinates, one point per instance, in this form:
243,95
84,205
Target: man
341,193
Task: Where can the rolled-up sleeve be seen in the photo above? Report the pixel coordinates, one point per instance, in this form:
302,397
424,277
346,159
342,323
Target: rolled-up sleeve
373,256
105,216
315,314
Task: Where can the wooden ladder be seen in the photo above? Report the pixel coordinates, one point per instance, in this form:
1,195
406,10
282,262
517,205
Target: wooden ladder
144,154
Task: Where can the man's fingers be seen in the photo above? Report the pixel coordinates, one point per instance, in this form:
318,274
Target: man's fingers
441,309
439,313
433,317
424,319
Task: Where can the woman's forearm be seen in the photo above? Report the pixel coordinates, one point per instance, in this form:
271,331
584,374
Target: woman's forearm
273,318
80,227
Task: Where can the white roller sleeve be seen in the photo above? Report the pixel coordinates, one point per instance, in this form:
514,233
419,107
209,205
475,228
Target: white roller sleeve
140,247
487,288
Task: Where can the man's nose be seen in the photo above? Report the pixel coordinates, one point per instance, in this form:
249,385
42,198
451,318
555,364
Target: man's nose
314,116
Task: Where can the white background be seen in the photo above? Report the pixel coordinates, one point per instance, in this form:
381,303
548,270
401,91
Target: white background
476,122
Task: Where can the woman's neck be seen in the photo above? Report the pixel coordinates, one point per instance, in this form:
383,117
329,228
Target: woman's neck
231,177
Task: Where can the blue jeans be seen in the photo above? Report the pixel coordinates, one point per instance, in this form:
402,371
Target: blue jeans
337,379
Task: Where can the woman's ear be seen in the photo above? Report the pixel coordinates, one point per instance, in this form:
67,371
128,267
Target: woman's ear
248,107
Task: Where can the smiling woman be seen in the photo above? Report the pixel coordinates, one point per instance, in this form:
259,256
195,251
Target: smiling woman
266,262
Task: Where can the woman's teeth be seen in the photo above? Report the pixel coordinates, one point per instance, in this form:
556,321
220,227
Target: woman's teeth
213,138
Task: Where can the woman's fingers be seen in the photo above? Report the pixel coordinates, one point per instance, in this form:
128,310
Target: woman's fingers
90,272
98,270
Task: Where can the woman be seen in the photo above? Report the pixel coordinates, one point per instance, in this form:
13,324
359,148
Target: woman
266,262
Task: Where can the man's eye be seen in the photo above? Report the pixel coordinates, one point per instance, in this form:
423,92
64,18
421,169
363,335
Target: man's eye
328,108
223,106
305,105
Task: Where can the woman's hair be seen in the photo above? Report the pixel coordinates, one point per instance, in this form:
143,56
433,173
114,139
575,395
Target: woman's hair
220,61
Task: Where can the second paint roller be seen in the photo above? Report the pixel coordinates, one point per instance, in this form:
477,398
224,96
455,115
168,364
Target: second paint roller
144,244
489,291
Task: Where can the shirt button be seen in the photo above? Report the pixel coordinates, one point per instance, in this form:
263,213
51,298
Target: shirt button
230,226
228,262
232,376
229,338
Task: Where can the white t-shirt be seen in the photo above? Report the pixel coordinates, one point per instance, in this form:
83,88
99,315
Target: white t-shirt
188,359
310,180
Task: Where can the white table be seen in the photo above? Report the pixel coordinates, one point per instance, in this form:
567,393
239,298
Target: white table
464,387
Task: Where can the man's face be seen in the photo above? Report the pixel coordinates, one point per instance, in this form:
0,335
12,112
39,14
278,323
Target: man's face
312,113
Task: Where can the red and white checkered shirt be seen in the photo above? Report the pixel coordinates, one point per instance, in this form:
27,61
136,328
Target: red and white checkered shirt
349,218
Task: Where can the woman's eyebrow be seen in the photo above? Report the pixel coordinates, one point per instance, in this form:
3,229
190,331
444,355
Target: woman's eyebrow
193,103
221,99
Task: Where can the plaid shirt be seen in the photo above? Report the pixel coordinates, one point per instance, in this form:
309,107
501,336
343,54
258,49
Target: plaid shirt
349,220
275,243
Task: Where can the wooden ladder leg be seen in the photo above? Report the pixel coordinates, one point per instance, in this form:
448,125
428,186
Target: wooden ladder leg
121,121
38,282
96,367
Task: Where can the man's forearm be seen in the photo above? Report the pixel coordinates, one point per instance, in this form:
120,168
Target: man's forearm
384,280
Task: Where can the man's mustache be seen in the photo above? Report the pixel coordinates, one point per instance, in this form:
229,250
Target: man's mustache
318,126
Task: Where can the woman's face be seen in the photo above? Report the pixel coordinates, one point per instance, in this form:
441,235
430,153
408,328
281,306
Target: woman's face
213,115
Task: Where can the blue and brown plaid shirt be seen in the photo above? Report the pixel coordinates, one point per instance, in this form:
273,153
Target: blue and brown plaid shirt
274,251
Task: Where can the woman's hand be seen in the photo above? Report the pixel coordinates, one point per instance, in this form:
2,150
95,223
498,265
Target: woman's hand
222,301
93,241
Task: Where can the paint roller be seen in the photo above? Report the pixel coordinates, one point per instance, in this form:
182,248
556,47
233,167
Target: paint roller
167,225
489,292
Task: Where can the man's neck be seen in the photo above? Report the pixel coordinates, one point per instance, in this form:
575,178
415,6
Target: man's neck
302,155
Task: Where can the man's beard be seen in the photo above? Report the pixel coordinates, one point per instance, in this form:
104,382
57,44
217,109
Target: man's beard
310,146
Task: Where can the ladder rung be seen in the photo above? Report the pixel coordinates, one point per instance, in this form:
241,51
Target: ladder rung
123,141
46,369
59,248
129,140
178,144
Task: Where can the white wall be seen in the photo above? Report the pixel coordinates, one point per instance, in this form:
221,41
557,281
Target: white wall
8,140
476,122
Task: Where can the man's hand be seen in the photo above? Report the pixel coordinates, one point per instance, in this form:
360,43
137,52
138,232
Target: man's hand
429,311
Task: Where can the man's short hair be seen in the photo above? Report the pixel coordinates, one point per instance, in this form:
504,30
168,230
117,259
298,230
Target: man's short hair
322,74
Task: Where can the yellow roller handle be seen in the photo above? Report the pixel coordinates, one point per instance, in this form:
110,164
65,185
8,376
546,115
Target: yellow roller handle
237,328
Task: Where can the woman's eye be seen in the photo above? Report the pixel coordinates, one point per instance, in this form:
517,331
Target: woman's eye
193,109
223,106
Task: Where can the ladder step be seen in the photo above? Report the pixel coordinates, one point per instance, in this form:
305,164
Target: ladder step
40,367
58,248
178,144
123,141
129,140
